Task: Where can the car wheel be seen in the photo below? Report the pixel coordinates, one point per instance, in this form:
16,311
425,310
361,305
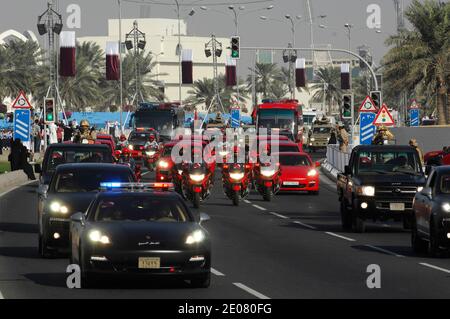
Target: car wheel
358,224
346,218
203,281
433,243
419,245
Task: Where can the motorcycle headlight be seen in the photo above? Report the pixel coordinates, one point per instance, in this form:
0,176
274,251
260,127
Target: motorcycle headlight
312,172
312,139
180,172
197,177
237,176
196,237
446,207
150,153
163,164
130,147
97,237
366,190
56,207
267,172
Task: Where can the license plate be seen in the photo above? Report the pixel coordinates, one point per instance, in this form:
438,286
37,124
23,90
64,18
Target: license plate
149,262
290,183
397,206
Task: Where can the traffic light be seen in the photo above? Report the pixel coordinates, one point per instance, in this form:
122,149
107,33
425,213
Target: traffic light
347,106
235,47
49,110
376,98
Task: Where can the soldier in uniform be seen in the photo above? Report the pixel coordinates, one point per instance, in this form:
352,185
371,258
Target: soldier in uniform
85,133
383,136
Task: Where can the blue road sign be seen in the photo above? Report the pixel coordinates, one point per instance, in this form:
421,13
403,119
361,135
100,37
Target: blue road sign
414,117
366,128
22,125
235,118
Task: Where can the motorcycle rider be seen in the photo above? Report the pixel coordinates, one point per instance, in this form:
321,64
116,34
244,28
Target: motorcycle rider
85,133
123,142
151,143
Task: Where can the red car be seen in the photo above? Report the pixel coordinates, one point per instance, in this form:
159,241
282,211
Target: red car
298,172
287,146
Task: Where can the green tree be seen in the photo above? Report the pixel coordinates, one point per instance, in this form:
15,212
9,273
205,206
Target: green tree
267,77
420,57
328,85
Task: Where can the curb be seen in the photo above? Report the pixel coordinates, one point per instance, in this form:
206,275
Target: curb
329,171
12,180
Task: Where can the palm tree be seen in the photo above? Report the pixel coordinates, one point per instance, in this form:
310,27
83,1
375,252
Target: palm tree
265,77
203,92
421,56
328,86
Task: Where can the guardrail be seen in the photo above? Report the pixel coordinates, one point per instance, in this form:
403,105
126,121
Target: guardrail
336,158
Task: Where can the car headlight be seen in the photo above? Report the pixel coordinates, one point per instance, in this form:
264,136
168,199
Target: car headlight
163,164
267,172
446,207
97,237
130,147
312,139
419,189
58,208
237,176
366,190
312,172
196,237
150,153
197,177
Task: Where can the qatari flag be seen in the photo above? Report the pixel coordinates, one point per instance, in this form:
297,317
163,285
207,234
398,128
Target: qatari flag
345,76
230,72
67,53
300,73
186,66
112,61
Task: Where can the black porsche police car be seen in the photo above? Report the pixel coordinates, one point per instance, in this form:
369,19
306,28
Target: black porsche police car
140,230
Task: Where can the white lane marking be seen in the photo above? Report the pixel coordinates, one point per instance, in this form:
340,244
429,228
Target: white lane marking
216,272
386,225
435,267
250,290
259,207
339,236
1,296
145,173
384,251
16,187
247,201
304,225
278,215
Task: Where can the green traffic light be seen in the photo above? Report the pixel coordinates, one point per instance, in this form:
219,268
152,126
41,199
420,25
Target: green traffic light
49,117
235,54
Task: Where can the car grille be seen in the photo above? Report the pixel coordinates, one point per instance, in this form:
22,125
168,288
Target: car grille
395,194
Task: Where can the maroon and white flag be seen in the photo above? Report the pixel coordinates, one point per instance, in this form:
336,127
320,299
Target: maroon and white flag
67,53
300,73
230,72
112,61
345,76
186,66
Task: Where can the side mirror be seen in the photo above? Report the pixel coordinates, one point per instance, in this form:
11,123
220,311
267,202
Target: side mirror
347,170
42,189
37,168
428,192
204,218
318,164
77,218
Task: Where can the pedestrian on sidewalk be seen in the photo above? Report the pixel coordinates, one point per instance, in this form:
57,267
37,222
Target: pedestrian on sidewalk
36,132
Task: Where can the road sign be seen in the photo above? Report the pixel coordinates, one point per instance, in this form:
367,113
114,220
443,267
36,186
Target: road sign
414,117
366,128
368,105
22,125
414,105
21,102
384,117
235,118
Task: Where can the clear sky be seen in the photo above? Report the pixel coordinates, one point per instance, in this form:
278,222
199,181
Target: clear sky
22,15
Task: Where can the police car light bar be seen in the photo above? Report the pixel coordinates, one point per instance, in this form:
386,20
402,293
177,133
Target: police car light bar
136,186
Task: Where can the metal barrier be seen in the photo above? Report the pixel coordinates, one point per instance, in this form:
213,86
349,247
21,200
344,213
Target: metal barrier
336,158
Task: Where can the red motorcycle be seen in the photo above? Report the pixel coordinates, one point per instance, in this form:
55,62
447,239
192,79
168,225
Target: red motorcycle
151,157
236,181
266,179
197,183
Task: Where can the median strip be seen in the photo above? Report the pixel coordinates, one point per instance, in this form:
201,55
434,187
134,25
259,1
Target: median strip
250,291
435,267
384,251
259,207
339,236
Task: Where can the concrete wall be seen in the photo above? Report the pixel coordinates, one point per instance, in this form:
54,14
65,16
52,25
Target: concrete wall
430,138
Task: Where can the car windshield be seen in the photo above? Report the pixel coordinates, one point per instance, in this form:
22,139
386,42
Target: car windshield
277,118
322,130
83,181
73,155
308,119
294,160
387,162
141,208
139,137
445,184
288,148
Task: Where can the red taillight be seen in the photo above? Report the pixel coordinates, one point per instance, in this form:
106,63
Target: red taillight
197,189
171,269
268,184
236,187
225,166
